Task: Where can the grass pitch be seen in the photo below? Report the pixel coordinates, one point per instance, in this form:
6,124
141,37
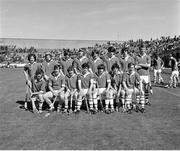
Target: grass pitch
158,128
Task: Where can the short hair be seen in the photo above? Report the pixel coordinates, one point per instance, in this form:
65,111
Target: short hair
31,55
130,65
85,65
71,68
101,66
115,65
111,49
57,66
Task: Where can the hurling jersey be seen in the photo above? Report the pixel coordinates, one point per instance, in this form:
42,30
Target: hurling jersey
48,67
116,80
32,68
95,63
143,60
85,80
131,79
57,82
77,63
65,65
111,61
102,79
38,85
173,64
71,82
124,63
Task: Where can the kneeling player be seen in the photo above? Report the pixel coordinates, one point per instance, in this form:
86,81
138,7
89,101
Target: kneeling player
85,84
71,82
116,82
130,80
104,89
56,86
38,88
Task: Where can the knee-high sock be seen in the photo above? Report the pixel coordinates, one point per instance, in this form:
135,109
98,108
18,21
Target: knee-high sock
138,99
128,103
107,103
142,101
91,103
95,101
111,101
79,102
123,102
146,93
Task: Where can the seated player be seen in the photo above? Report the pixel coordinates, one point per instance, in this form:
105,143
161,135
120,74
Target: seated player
130,80
56,86
104,89
71,84
38,86
85,84
116,82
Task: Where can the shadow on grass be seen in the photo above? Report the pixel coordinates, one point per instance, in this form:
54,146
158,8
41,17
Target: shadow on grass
21,105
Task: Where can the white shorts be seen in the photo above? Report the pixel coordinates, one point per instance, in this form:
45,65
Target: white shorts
157,71
145,79
84,92
175,73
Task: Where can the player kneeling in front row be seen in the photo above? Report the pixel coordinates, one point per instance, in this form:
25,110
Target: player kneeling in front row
104,89
116,82
56,86
130,81
71,85
38,88
85,84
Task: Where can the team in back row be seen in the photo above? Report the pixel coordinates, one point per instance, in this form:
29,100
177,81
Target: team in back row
108,82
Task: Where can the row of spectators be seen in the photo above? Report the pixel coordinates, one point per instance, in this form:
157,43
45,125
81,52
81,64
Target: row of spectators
161,46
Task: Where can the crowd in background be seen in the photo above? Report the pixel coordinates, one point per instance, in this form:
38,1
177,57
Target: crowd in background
162,46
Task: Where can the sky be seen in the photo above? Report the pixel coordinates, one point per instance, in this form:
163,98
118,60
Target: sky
89,19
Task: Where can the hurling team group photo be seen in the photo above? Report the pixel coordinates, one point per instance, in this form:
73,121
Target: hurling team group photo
89,75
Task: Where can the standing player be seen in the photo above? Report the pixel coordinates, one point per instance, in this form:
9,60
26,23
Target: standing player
143,63
48,66
158,64
66,62
174,79
95,61
30,68
111,58
125,60
78,62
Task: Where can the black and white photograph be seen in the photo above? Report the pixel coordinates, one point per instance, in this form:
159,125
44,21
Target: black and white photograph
89,75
